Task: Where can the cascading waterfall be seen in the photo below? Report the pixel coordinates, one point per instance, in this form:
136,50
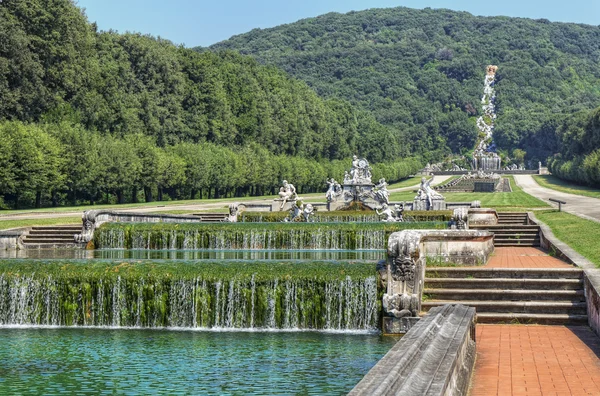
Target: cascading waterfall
145,298
251,236
484,157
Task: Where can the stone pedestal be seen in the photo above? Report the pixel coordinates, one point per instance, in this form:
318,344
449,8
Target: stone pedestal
276,205
423,204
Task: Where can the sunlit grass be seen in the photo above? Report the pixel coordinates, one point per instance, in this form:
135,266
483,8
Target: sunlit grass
557,184
581,234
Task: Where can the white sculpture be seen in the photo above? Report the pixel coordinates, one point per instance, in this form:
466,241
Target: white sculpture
387,214
334,191
381,192
287,192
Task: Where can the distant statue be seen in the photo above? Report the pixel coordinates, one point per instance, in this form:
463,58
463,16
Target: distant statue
307,213
287,192
426,192
381,193
334,190
301,213
387,214
347,178
360,172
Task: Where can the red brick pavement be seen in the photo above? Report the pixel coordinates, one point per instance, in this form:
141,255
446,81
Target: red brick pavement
523,257
536,360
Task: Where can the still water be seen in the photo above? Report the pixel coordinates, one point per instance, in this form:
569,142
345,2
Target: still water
238,254
132,361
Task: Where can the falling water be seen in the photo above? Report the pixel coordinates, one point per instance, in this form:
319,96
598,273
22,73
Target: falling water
347,304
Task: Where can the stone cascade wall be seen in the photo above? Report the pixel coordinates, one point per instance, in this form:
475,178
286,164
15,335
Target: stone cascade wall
435,357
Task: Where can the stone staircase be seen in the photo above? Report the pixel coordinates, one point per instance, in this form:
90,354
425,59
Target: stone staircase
211,217
509,295
51,236
513,230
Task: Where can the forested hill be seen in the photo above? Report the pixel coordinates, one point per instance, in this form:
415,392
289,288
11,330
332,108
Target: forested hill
89,116
55,65
421,71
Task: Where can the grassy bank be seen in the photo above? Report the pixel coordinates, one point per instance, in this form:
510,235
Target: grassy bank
581,234
554,183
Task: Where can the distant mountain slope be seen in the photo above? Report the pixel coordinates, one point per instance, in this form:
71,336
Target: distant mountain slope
421,71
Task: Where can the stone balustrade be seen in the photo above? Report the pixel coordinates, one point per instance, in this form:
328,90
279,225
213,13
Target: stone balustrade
435,357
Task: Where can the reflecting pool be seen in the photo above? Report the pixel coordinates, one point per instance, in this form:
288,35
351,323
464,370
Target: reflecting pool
133,361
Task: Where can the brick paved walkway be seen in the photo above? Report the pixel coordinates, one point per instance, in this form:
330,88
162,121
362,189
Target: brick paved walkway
536,360
523,257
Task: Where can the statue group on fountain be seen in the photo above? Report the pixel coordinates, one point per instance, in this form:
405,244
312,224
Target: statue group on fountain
427,197
389,215
334,191
301,213
360,173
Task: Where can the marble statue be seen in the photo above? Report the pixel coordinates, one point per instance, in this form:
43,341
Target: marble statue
334,191
387,214
427,198
381,193
360,172
301,213
287,192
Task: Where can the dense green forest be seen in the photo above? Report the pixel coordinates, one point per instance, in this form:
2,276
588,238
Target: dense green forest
89,116
578,158
421,72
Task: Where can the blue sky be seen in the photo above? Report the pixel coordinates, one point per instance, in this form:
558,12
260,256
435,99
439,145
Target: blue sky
203,22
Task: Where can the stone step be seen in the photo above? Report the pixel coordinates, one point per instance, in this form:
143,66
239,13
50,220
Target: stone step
49,240
517,273
547,307
516,244
507,227
54,232
504,295
50,236
504,284
517,239
60,228
532,318
512,230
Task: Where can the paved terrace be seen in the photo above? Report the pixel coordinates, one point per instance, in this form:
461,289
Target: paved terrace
534,359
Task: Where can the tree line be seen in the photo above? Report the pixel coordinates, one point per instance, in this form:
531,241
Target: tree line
60,164
55,66
578,160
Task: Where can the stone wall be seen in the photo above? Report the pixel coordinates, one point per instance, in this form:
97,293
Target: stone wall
11,239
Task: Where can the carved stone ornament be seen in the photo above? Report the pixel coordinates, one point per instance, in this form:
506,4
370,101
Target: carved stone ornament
403,269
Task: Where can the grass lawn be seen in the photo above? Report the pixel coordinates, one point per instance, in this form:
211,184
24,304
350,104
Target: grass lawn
513,200
557,184
581,234
411,181
136,205
8,224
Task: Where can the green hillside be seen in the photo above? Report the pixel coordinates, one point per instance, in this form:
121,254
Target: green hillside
89,116
421,71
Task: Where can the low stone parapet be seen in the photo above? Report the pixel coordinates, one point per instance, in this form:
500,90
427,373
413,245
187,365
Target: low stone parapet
435,357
